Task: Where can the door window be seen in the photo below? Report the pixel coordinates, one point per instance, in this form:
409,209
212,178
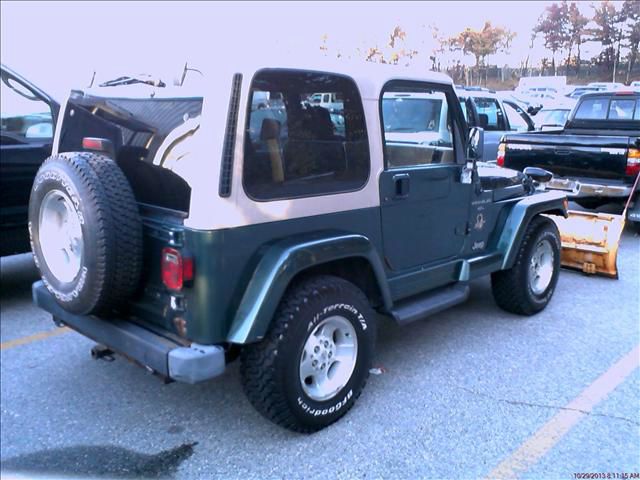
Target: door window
24,118
490,114
300,147
417,127
516,120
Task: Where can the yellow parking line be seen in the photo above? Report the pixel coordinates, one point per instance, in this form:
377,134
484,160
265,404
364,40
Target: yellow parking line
536,446
33,338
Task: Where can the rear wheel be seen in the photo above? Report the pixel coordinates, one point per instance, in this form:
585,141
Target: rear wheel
86,233
528,286
314,362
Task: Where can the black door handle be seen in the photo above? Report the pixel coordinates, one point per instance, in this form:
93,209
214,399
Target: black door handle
401,185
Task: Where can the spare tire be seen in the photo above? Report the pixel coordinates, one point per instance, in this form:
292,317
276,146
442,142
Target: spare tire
86,232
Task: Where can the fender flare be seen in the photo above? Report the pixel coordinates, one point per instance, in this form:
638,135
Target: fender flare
285,259
552,202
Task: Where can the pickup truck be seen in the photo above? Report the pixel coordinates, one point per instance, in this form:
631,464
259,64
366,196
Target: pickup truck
594,159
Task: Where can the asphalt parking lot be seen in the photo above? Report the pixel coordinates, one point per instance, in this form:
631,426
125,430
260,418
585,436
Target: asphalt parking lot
469,393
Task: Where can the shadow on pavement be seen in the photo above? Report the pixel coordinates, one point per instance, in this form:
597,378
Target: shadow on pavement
100,461
17,273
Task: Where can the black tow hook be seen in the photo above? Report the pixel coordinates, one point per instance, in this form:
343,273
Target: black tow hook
102,352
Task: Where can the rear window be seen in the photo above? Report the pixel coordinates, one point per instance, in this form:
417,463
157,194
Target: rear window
621,109
608,108
312,141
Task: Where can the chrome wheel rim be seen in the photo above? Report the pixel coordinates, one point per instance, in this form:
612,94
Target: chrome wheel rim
541,267
60,234
328,358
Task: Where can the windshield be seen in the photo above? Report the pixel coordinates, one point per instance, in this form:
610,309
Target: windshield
411,114
552,117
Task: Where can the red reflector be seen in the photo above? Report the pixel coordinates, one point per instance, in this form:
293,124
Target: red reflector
187,269
97,144
171,268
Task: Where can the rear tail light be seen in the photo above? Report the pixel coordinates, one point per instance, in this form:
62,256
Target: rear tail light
176,269
500,158
633,162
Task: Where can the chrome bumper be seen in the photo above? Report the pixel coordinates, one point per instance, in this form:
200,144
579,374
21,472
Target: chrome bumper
575,188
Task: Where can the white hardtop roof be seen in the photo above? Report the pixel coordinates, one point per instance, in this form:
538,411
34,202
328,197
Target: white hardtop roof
476,93
216,76
412,95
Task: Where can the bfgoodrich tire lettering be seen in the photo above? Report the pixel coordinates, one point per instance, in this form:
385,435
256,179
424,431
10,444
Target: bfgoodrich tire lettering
271,369
111,231
513,289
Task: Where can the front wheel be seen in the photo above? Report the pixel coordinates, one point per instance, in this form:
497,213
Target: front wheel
527,287
314,362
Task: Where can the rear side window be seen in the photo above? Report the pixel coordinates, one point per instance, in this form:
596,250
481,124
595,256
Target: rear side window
636,116
305,135
490,108
593,109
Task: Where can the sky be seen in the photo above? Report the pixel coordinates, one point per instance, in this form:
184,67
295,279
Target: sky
58,45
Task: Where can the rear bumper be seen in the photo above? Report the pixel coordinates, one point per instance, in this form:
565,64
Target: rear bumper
164,356
578,189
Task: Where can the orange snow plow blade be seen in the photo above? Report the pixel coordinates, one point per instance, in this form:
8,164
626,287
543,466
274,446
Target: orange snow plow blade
590,241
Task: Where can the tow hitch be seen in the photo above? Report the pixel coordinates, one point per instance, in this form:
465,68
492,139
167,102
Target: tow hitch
102,352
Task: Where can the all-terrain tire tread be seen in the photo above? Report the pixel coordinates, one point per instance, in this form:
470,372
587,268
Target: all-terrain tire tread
504,283
258,372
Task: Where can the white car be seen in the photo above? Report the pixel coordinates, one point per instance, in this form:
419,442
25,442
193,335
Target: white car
607,86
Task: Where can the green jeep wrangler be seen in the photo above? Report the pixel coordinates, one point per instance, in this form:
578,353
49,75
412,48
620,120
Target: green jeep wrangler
184,230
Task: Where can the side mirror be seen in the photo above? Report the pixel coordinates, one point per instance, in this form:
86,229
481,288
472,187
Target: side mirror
539,175
475,149
532,110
